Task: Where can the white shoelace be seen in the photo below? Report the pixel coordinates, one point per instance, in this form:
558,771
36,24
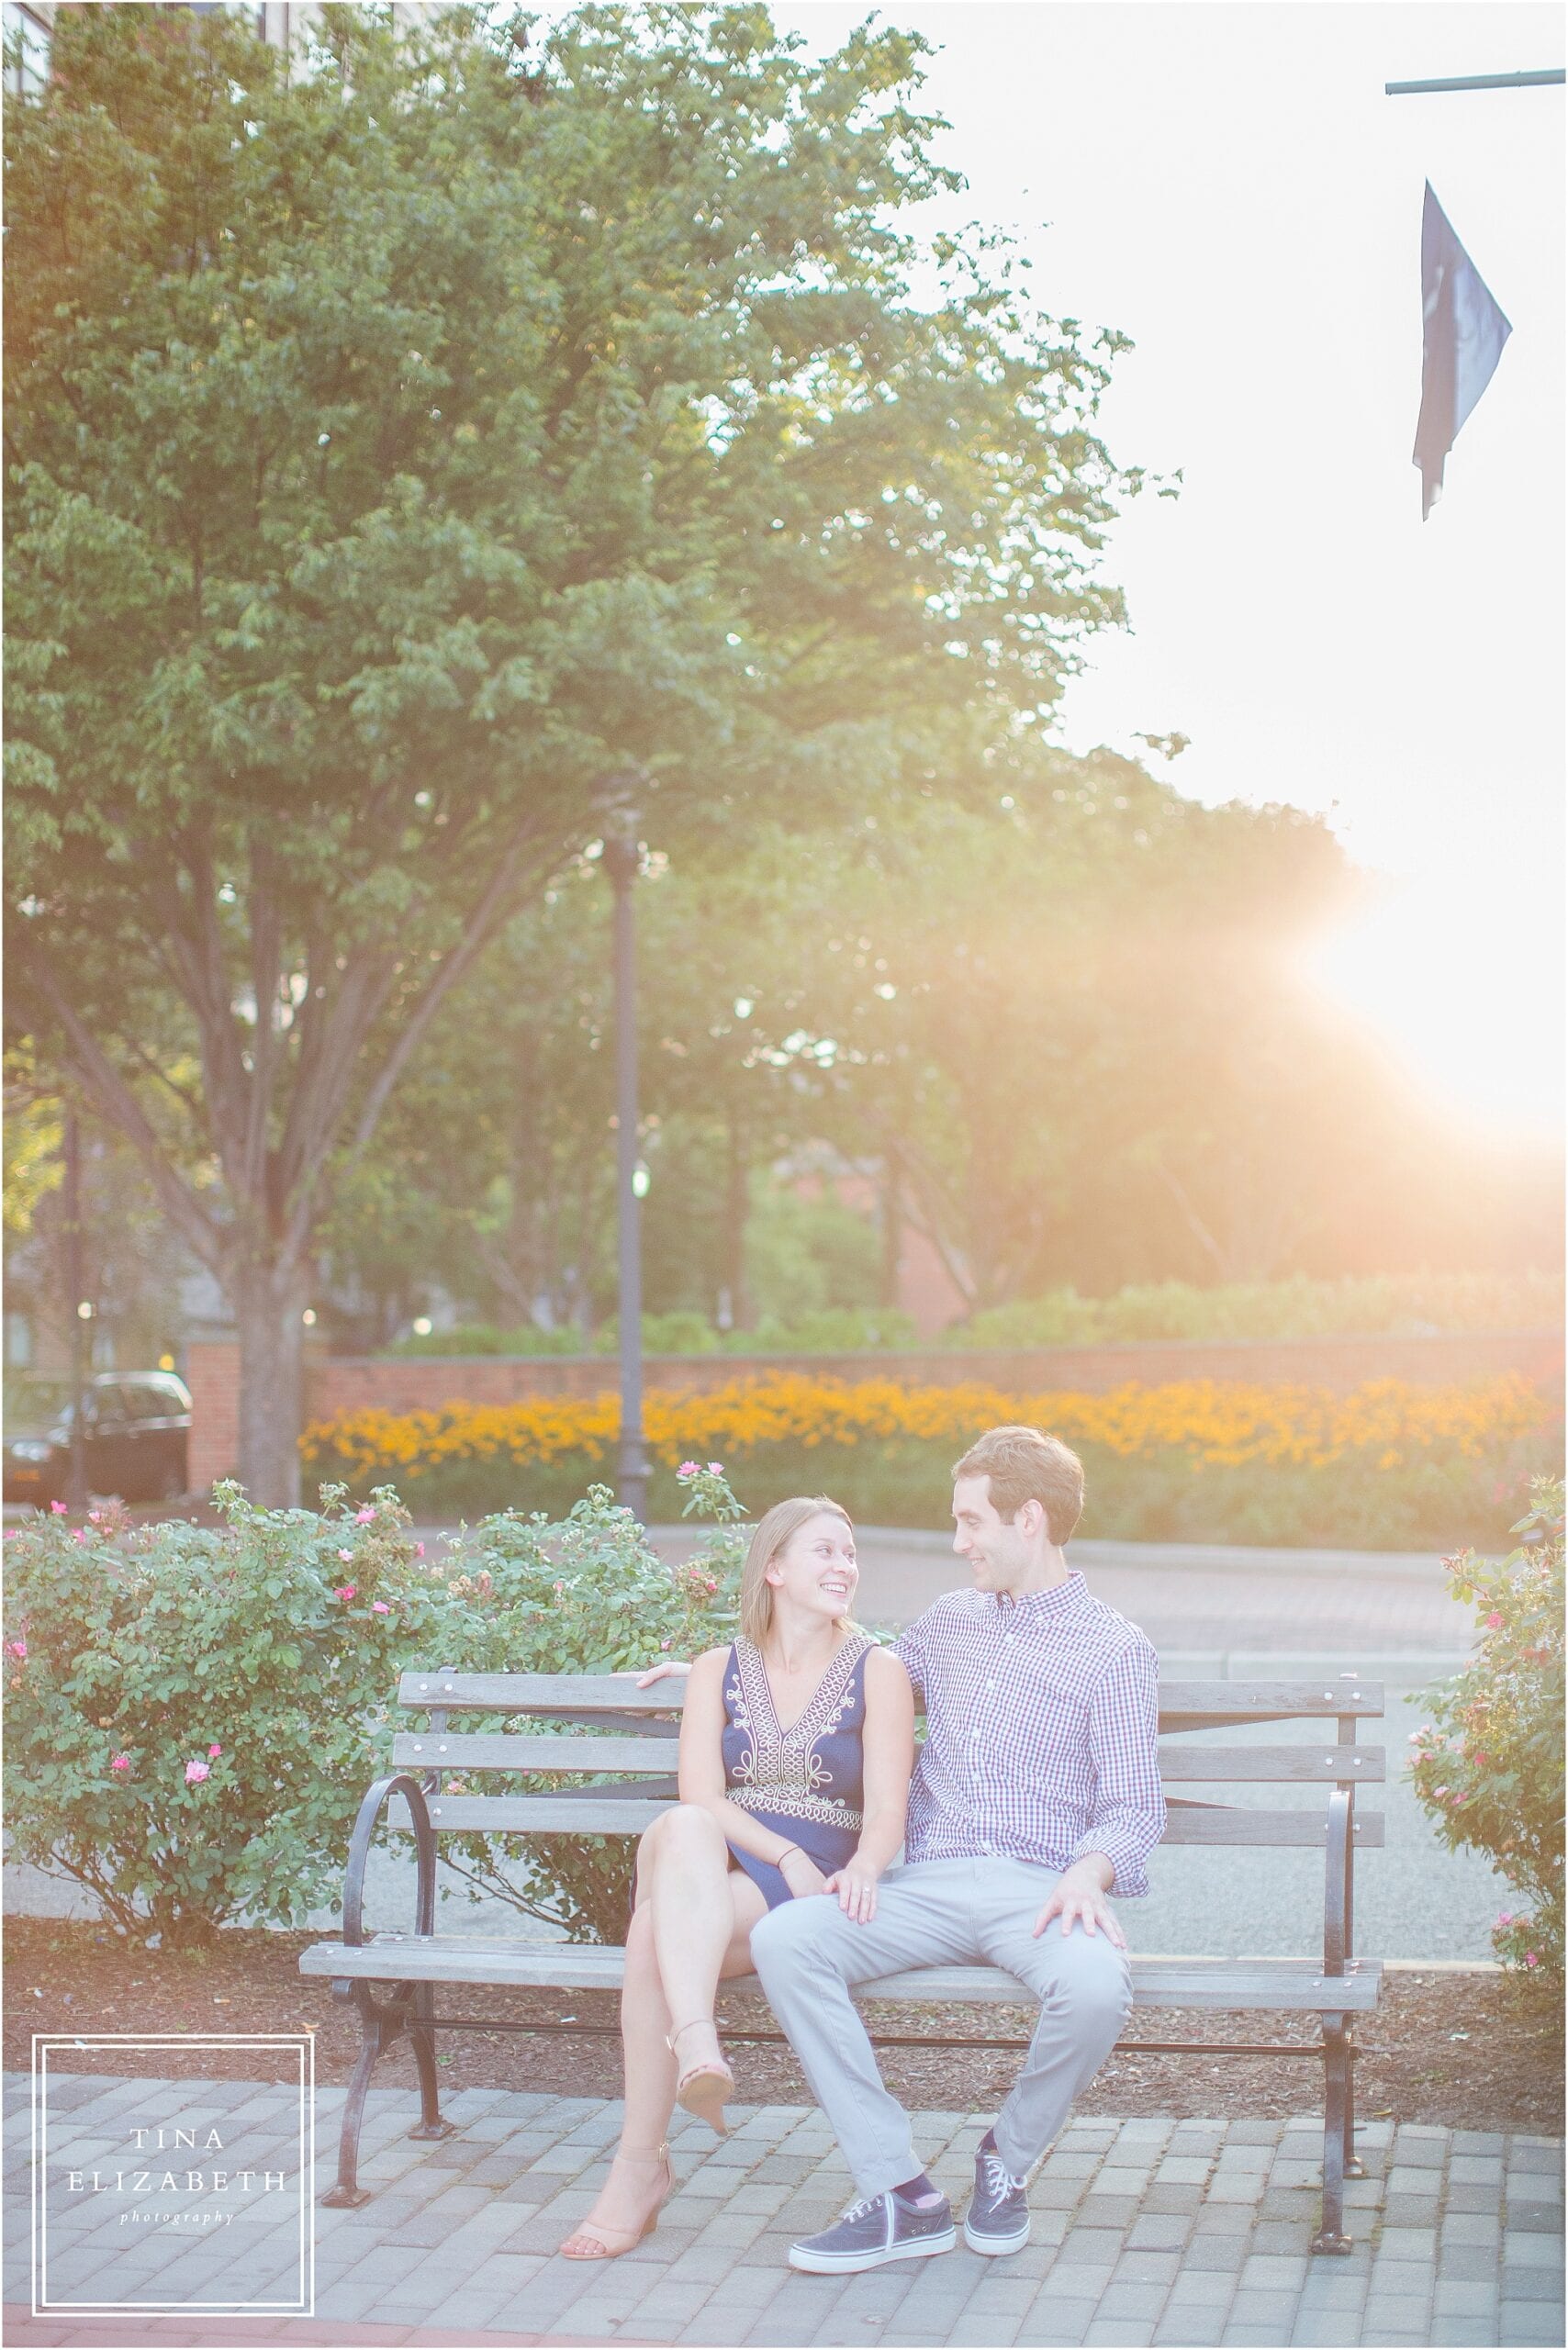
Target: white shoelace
998,2180
859,2211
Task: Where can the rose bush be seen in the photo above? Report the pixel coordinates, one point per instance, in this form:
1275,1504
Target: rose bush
1488,1766
194,1712
590,1594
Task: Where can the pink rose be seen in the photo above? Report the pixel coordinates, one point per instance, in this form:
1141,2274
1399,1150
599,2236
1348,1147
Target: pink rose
366,1517
687,1469
1493,1621
19,1648
215,1751
58,1508
121,1763
380,1607
715,1468
1504,1917
347,1558
345,1590
196,1771
1532,1958
418,1549
79,1534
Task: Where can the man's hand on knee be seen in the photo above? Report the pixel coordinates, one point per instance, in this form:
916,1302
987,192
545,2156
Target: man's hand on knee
1079,1893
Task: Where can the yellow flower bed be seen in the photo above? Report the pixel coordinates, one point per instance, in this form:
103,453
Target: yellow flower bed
1386,1423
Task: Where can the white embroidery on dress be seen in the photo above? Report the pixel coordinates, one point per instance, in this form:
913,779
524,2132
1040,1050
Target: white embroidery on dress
781,1770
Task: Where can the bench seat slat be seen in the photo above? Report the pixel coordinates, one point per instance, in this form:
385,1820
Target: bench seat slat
1183,1704
1214,1984
610,1813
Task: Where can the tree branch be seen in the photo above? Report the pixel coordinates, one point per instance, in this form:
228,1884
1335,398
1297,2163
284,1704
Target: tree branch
266,979
516,869
119,1108
1194,1221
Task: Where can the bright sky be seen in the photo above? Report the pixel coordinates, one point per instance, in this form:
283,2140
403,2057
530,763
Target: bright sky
1228,185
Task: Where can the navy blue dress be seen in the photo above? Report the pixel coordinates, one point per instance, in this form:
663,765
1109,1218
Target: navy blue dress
807,1783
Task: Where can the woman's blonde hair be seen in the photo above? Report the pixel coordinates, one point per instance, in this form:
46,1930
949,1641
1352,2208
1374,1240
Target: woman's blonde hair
775,1532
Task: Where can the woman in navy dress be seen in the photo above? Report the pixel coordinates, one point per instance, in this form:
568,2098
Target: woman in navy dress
797,1743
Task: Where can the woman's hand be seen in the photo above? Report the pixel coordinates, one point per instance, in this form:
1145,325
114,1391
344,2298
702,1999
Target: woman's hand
665,1670
800,1874
856,1886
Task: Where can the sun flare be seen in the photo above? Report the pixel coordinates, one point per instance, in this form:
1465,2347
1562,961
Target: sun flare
1465,993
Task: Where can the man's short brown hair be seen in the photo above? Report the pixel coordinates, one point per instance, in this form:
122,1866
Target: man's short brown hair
1026,1465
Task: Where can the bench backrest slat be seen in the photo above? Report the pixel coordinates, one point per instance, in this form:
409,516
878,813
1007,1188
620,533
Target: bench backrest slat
449,1751
605,1812
1184,1705
424,1750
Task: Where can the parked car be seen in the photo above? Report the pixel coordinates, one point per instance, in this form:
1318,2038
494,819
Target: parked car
136,1428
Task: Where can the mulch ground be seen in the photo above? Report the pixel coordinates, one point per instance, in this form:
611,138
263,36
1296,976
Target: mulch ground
1462,2050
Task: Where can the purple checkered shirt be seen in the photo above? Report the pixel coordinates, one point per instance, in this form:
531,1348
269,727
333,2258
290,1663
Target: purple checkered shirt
1041,1721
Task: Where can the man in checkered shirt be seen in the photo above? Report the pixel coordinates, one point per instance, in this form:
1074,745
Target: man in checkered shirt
1036,1795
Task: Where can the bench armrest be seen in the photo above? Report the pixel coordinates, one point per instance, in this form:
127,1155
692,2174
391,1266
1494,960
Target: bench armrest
397,1783
1339,1859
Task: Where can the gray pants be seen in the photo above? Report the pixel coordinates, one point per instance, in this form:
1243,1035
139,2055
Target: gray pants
936,1913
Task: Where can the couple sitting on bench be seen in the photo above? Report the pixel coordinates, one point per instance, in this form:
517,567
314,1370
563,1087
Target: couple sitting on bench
1038,1795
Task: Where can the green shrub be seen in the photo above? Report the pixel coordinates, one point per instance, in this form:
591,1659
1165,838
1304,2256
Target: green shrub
830,1330
588,1594
1162,1496
1488,1766
194,1712
680,1333
488,1338
1395,1305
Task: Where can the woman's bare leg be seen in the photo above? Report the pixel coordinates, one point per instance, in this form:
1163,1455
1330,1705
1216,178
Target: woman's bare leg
634,2188
693,1921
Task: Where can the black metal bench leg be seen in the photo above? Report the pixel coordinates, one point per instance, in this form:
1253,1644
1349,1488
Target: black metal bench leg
1354,2166
1331,2236
348,2194
430,2123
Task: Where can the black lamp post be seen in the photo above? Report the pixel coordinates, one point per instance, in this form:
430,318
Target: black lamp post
81,1318
622,856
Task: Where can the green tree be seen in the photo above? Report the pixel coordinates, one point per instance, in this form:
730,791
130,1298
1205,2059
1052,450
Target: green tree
401,446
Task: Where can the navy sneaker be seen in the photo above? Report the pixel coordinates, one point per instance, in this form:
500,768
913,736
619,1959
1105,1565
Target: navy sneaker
872,2233
997,2218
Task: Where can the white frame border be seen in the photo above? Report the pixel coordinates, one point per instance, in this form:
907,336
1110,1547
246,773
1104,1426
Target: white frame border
301,2043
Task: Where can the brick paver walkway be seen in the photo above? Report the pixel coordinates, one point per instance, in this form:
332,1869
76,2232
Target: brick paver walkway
1178,2230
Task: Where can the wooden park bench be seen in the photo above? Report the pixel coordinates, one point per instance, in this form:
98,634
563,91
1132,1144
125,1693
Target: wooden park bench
408,1968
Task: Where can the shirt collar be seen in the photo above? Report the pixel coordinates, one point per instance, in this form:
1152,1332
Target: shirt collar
1039,1607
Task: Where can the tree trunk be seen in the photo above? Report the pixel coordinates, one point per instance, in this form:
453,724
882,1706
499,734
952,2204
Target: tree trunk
893,1227
737,1209
269,1301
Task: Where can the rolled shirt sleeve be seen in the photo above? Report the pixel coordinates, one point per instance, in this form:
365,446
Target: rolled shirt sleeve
909,1651
1126,1813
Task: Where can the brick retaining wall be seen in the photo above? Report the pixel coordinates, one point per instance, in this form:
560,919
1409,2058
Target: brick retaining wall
424,1383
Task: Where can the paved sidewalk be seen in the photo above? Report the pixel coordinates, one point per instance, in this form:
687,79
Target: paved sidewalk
1180,2232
